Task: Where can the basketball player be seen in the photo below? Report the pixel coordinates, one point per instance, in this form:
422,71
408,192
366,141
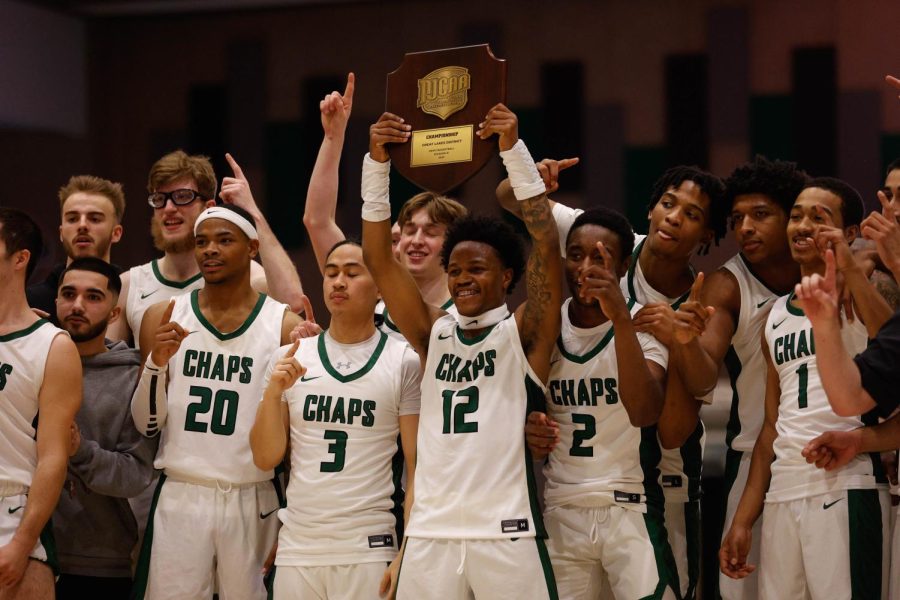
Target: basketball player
205,359
40,371
683,210
360,391
760,194
421,225
815,523
603,502
181,186
475,528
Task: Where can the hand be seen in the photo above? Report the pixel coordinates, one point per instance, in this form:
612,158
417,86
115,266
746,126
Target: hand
692,317
389,129
308,327
41,313
168,337
286,372
388,587
74,439
832,238
270,559
549,170
600,283
236,190
657,318
734,551
833,449
541,434
893,82
889,463
13,560
502,121
882,228
818,296
336,108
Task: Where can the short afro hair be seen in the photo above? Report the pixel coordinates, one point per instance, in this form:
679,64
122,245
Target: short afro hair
852,206
779,180
609,219
497,234
709,184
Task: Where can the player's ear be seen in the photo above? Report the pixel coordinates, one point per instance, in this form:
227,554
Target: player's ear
851,233
623,267
507,279
114,314
254,248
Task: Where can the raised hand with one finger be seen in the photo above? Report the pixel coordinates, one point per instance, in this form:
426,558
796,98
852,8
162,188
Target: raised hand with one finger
550,170
168,337
236,189
601,283
286,372
335,109
692,316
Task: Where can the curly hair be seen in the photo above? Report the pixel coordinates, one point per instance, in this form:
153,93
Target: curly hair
493,232
779,180
709,184
609,219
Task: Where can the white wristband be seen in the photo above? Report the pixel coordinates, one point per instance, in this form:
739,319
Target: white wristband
524,178
154,369
376,197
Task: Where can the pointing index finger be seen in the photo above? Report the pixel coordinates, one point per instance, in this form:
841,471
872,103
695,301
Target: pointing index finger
293,349
607,257
238,173
887,210
351,85
696,287
167,314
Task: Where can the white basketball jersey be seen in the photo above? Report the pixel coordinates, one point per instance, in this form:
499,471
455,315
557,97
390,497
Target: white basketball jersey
385,324
473,474
146,287
215,382
804,411
23,355
744,360
344,437
601,459
679,467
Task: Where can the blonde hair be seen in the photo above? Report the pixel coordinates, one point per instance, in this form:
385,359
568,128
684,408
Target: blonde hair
89,184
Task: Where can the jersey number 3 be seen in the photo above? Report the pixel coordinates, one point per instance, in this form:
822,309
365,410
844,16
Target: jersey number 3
458,424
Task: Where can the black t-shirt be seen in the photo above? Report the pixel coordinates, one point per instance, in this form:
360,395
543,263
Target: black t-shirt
879,366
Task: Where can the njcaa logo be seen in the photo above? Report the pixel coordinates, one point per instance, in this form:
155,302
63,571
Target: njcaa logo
444,91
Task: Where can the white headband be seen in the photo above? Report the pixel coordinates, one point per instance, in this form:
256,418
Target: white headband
218,212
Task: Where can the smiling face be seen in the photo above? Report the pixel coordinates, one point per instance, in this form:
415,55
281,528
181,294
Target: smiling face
476,278
85,304
348,286
89,225
806,219
223,252
678,221
419,246
759,227
172,226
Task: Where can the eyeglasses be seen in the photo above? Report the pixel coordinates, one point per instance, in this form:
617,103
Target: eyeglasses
178,197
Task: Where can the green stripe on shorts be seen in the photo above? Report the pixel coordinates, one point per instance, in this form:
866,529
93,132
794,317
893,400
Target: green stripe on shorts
142,572
866,542
549,577
665,560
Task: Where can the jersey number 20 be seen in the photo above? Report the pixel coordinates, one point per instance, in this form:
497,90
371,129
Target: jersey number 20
224,410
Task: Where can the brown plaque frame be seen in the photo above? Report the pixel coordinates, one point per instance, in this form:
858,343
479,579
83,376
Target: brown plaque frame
488,87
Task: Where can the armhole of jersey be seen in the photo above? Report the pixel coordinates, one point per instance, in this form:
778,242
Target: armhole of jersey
130,302
516,344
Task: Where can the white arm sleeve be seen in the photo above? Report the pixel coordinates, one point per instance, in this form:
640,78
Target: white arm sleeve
149,405
564,217
411,384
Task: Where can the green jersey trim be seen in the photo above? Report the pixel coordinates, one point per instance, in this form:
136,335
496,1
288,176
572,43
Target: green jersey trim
323,356
583,358
393,327
180,285
195,306
23,332
447,304
797,312
629,277
480,337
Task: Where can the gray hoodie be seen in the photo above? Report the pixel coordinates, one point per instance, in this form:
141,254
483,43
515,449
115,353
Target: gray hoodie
93,525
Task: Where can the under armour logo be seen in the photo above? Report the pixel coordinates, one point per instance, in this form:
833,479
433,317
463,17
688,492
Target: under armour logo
341,365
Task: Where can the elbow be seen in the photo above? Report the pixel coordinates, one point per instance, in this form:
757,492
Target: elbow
644,418
845,409
263,462
310,221
669,441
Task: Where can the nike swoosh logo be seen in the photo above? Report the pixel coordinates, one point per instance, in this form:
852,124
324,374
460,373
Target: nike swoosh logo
304,379
444,337
760,305
826,505
149,294
776,325
12,510
264,515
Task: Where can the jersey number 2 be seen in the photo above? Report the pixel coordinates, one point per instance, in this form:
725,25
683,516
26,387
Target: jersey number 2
579,436
224,410
459,412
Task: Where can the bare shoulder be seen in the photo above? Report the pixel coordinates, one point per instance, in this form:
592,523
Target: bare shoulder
721,289
288,322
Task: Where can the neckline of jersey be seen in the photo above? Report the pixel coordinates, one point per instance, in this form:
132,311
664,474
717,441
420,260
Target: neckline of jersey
154,266
195,306
326,362
23,332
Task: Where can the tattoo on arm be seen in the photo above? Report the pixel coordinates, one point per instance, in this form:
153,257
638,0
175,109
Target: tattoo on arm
538,218
887,287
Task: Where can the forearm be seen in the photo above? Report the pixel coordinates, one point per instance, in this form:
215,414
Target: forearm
751,503
507,198
641,395
43,495
321,199
882,437
840,375
680,413
697,369
149,404
121,473
873,309
282,278
268,438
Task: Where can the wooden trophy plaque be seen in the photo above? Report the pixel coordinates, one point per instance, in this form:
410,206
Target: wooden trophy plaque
444,95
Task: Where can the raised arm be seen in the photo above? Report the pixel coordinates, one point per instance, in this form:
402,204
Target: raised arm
321,196
538,318
409,311
282,280
736,545
58,401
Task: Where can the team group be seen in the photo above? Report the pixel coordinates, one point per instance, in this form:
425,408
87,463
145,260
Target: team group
157,414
